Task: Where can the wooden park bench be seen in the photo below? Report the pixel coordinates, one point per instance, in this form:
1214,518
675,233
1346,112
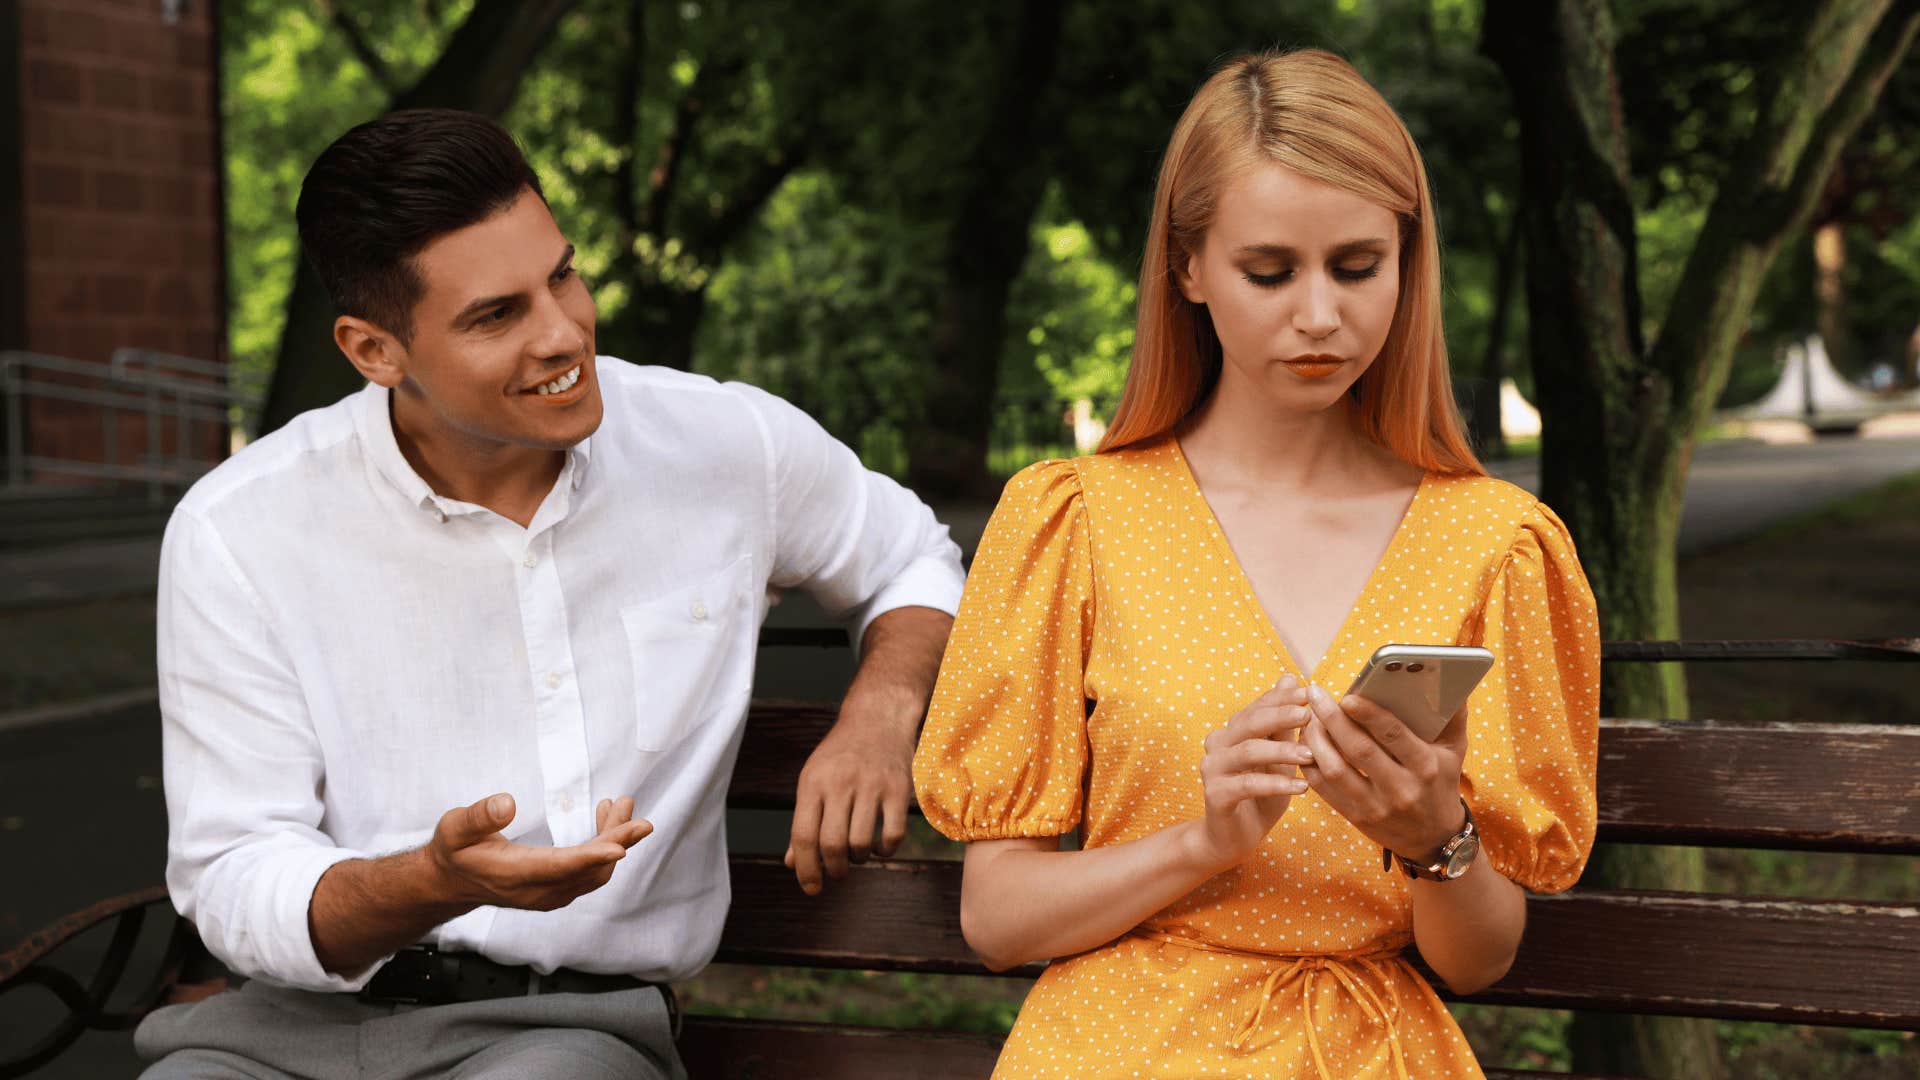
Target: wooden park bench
1789,786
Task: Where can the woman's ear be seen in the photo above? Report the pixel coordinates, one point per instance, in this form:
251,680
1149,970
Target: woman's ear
372,351
1186,269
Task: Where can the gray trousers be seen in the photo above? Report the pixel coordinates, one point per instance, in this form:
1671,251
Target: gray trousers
261,1031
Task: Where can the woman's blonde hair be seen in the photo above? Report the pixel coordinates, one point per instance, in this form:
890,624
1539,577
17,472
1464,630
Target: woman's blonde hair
1310,111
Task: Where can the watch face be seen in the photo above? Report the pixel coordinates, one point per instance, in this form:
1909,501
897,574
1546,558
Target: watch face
1462,857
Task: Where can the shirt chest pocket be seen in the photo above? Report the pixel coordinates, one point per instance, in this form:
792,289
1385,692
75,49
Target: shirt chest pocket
691,662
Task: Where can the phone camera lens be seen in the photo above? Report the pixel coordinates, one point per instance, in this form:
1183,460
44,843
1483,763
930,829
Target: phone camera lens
1415,666
1393,665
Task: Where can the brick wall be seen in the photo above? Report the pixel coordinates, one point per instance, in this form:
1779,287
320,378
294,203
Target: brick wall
120,207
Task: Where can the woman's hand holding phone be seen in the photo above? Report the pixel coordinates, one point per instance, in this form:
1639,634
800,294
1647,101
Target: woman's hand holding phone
1249,776
1400,790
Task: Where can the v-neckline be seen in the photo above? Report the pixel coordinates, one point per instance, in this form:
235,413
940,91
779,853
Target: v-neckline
1224,547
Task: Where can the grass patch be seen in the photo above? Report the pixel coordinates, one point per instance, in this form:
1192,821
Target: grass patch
975,1003
1897,498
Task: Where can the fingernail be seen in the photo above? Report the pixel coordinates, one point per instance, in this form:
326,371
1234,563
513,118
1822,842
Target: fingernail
1318,695
1287,682
499,805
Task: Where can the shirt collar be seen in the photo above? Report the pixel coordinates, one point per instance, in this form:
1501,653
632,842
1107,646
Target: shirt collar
579,456
373,417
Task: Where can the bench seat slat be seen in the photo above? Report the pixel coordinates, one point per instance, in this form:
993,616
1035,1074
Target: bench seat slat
1788,961
1698,782
714,1047
720,1048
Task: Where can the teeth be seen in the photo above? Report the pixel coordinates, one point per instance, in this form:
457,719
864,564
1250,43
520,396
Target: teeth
561,384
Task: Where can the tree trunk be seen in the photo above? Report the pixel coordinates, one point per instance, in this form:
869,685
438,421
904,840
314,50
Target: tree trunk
479,71
1485,425
1619,417
658,325
1830,294
947,454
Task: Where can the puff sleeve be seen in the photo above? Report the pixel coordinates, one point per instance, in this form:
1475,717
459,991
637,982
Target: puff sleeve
1533,723
1004,750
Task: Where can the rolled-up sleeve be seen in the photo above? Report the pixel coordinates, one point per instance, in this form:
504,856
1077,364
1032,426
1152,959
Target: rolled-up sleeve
855,539
243,769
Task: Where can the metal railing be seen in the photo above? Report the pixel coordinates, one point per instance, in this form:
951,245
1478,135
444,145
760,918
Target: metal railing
173,396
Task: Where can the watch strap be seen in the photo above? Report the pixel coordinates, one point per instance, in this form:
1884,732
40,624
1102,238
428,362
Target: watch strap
1437,870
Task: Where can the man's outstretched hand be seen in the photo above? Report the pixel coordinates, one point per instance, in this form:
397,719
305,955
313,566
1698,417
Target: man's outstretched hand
364,909
479,866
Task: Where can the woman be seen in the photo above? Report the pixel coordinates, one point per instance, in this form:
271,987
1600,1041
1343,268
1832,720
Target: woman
1153,637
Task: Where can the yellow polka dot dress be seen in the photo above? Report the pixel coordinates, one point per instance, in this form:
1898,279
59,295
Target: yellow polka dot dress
1106,628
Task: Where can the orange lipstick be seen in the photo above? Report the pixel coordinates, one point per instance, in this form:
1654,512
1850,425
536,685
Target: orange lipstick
1318,366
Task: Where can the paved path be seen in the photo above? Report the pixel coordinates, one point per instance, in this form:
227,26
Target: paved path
1741,486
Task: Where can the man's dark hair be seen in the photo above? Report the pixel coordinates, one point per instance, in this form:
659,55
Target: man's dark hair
387,189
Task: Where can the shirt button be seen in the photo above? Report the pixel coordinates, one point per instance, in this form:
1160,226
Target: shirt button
530,561
699,611
566,804
553,681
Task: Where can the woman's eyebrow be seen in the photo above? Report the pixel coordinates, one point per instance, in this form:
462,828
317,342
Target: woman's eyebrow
1371,244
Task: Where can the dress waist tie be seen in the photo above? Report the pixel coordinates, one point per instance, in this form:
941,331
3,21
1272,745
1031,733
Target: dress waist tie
1303,970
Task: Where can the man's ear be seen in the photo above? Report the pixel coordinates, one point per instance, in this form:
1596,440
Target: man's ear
372,351
1185,267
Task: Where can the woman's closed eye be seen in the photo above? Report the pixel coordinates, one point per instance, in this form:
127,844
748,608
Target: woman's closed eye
1281,277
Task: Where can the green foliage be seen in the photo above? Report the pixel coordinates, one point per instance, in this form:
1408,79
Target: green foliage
826,304
1514,1038
290,86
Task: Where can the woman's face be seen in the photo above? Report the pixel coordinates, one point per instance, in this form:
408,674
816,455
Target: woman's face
1301,279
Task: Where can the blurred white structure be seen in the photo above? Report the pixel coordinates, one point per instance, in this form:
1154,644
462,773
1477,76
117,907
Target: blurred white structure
1518,418
1811,391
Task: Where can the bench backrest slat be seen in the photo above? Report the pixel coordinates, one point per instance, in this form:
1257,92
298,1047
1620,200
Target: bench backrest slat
1706,783
1732,958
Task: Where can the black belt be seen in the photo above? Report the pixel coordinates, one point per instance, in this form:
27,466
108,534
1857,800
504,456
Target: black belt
424,975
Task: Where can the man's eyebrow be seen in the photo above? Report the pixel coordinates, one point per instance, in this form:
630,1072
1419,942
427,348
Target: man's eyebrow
485,302
1282,251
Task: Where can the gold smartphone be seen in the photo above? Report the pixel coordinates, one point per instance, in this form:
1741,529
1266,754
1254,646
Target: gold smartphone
1423,685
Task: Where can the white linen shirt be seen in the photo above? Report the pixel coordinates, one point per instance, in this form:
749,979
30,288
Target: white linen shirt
345,655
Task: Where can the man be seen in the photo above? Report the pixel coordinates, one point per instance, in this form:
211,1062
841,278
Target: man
453,672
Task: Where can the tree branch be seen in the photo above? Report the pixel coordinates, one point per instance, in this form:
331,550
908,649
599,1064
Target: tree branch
481,68
362,49
748,198
626,122
713,72
1851,49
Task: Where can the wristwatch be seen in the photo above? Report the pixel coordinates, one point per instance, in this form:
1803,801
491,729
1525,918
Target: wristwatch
1456,855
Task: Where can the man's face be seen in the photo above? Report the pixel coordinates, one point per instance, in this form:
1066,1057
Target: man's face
503,345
